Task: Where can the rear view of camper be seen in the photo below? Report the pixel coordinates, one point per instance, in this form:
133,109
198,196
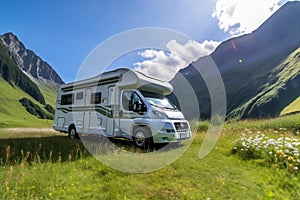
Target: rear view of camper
121,103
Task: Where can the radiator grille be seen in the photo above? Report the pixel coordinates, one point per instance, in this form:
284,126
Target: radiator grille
181,126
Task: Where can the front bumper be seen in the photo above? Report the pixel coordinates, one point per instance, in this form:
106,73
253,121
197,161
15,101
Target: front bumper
171,131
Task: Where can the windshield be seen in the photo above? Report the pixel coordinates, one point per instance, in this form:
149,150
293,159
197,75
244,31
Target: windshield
158,100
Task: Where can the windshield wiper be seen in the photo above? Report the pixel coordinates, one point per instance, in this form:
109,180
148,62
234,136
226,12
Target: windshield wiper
164,107
155,105
168,108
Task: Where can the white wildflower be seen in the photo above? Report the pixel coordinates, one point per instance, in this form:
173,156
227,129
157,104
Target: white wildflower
271,141
296,168
286,151
296,143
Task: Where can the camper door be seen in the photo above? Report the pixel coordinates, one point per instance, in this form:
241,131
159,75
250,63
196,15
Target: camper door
131,107
110,121
87,111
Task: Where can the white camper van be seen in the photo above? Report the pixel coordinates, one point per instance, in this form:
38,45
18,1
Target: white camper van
120,103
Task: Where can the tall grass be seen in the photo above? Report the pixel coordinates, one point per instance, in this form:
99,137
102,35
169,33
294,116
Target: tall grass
58,168
40,150
291,122
219,176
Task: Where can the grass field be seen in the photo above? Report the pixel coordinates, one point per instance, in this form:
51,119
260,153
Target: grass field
55,167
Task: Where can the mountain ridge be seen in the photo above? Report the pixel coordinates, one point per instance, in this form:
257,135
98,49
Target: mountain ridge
30,84
13,75
246,62
31,64
245,47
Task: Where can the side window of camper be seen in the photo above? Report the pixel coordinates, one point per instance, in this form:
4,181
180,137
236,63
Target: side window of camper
67,99
96,98
79,95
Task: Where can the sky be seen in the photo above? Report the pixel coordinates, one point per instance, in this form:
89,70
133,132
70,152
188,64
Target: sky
63,33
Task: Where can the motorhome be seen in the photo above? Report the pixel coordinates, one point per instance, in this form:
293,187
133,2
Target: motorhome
120,103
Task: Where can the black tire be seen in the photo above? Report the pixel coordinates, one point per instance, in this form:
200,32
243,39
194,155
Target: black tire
142,137
73,133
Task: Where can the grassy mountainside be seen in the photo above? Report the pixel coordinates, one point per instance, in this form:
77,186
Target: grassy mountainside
293,107
12,113
278,91
263,91
49,92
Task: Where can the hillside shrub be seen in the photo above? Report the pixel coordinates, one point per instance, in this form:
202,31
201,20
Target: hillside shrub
35,109
50,109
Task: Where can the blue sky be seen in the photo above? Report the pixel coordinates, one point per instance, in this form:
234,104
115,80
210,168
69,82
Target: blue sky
64,32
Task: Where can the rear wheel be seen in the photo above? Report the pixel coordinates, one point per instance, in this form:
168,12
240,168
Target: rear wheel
142,137
73,133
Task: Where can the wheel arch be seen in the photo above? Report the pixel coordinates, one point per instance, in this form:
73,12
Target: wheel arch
138,125
70,126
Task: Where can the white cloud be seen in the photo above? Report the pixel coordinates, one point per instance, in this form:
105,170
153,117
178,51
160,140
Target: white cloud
244,16
164,65
161,65
192,50
148,54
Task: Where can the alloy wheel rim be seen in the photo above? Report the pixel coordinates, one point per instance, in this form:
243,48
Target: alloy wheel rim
140,138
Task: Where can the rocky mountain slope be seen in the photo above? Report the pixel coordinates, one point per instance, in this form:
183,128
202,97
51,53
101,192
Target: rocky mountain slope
13,75
29,62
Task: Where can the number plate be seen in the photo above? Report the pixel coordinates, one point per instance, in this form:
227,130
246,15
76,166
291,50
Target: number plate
184,135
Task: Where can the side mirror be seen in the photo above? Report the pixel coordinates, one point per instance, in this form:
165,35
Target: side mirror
143,108
139,107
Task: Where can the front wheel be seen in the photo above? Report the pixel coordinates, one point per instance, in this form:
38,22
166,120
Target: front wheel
142,137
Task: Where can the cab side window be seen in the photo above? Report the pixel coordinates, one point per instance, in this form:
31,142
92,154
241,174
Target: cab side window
130,99
126,100
135,101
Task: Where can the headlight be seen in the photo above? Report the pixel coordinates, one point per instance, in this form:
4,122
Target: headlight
160,115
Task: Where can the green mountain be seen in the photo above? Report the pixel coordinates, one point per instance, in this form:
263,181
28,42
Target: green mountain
12,113
25,100
260,70
14,75
281,88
